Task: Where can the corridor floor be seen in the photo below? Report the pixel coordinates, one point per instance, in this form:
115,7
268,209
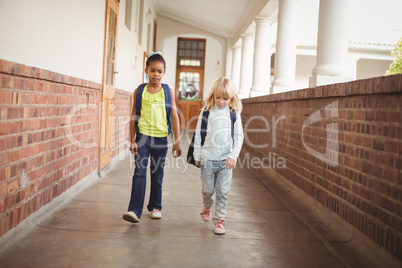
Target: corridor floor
264,228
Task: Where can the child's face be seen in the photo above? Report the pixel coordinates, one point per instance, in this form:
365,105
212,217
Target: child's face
220,101
155,71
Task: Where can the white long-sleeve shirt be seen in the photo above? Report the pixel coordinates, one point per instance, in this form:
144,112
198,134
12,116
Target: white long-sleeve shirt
219,144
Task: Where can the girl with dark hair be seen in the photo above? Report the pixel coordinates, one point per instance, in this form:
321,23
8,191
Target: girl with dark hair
155,114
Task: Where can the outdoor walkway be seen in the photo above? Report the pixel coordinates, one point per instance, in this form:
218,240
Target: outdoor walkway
268,225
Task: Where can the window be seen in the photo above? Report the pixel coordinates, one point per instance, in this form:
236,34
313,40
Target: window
189,85
191,52
111,47
190,68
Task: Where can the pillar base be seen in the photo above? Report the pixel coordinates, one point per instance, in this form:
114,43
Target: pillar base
243,94
281,89
320,80
259,91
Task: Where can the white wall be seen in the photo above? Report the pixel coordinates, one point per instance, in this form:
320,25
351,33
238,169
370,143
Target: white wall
168,32
367,68
356,68
60,36
67,37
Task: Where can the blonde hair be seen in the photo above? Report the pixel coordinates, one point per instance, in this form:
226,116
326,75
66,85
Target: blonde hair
225,88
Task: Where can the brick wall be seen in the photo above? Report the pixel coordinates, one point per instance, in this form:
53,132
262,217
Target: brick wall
341,144
123,104
45,117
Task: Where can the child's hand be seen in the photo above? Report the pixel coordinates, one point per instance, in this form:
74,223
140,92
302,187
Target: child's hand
176,148
134,148
198,163
230,163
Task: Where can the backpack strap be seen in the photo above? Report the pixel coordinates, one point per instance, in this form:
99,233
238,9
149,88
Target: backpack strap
168,106
232,120
138,99
204,124
138,103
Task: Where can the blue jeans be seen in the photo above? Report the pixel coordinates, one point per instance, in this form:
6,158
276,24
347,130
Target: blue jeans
156,148
216,178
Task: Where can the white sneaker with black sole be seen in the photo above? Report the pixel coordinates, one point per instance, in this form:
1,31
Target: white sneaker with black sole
131,217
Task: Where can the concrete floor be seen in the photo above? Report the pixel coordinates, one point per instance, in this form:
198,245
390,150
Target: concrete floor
269,224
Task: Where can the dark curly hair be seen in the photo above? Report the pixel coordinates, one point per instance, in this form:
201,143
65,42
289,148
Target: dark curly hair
155,57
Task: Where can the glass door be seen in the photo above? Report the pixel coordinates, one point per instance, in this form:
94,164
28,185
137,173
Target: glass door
190,79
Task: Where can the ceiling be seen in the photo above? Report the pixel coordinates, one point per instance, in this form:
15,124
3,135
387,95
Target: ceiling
226,18
377,23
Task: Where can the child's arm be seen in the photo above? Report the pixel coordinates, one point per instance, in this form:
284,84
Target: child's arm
238,138
133,145
176,127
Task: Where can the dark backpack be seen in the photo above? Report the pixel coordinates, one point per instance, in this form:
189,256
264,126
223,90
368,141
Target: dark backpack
204,123
168,105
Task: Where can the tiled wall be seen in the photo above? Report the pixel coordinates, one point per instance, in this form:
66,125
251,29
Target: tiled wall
341,144
45,118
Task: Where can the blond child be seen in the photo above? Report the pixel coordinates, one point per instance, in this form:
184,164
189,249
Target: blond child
218,155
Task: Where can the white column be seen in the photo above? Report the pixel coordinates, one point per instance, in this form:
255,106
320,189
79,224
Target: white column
332,43
351,64
285,55
246,66
236,62
261,83
227,62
